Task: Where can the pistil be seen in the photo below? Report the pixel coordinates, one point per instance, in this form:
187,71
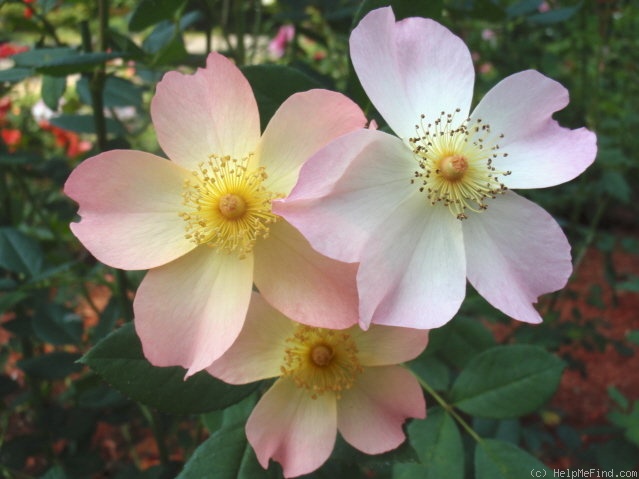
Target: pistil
456,163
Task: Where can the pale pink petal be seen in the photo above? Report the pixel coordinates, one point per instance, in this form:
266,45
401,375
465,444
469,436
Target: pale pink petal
303,284
516,252
258,352
540,152
385,345
129,208
210,112
293,429
347,190
189,312
303,124
412,67
413,271
371,414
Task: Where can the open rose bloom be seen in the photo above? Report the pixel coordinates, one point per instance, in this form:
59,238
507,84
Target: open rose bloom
426,209
202,222
328,380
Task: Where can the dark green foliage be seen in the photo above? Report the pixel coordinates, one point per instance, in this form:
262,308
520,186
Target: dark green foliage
119,360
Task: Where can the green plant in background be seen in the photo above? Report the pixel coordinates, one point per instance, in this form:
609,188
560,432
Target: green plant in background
94,66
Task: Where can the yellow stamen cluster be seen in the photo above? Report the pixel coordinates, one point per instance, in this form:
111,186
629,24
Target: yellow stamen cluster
321,360
227,206
456,163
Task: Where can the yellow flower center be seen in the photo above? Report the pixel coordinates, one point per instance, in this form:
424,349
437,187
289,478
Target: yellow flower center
456,163
227,207
321,360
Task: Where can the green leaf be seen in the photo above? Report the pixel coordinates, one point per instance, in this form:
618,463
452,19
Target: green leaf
52,89
439,446
10,299
108,318
618,397
523,7
496,459
19,253
41,56
554,16
633,336
56,472
62,61
430,369
226,454
461,340
507,381
616,185
85,124
628,422
631,285
15,75
272,84
617,453
166,43
118,358
150,12
54,324
117,92
20,158
51,366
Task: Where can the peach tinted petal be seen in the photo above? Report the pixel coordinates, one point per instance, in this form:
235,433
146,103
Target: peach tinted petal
210,112
258,352
129,208
516,252
411,67
304,285
293,429
540,152
303,124
386,345
413,271
189,312
371,414
347,190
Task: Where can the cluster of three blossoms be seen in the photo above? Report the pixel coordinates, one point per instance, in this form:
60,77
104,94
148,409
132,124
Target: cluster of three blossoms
358,241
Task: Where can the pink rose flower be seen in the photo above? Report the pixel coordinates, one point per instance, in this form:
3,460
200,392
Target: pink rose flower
328,381
202,222
433,206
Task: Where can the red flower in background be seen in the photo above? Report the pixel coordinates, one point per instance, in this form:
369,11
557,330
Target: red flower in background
28,9
67,139
5,106
8,49
11,137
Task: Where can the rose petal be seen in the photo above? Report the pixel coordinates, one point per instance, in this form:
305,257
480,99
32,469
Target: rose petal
386,345
210,112
540,152
306,286
129,207
412,67
346,191
189,312
293,429
258,352
516,252
412,271
302,125
370,415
